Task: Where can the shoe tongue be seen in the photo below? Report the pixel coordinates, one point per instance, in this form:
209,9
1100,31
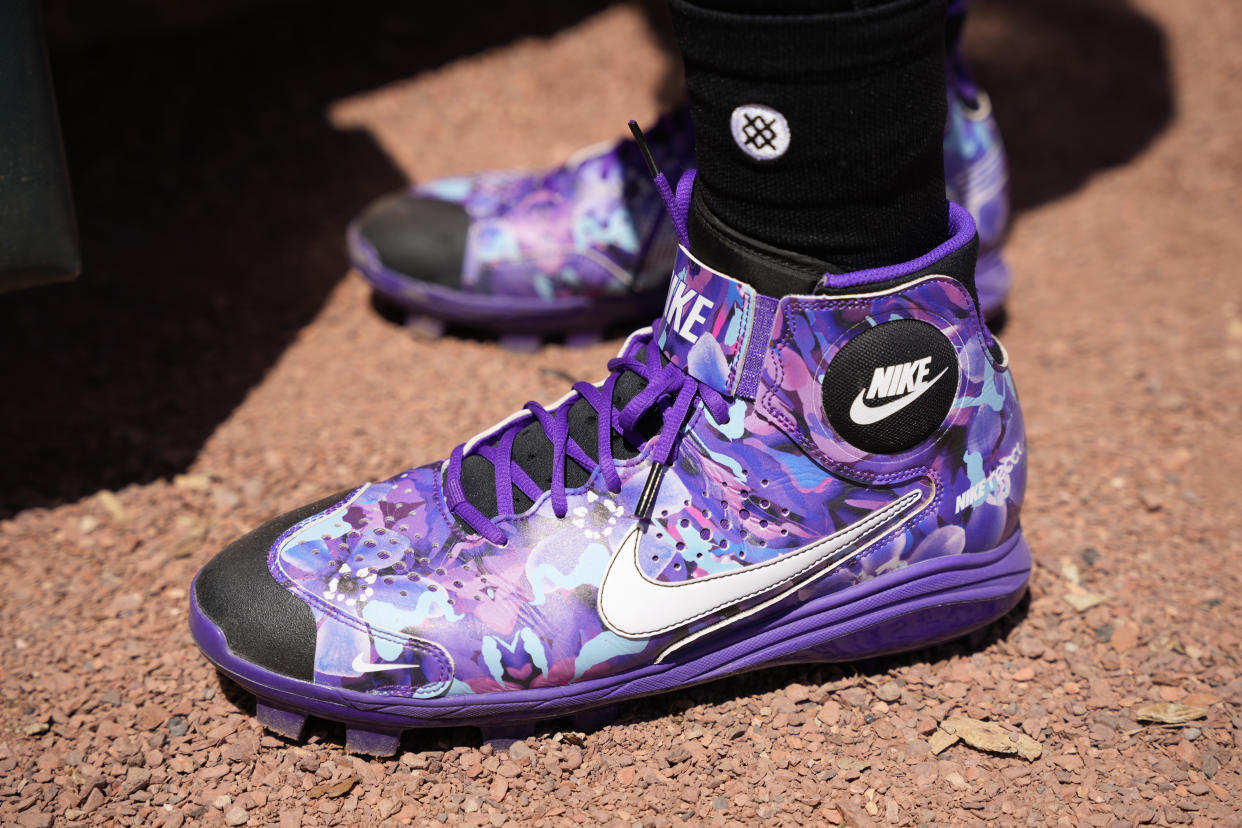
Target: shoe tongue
532,450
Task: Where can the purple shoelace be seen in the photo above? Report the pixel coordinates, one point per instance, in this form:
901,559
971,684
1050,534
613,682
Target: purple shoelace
669,389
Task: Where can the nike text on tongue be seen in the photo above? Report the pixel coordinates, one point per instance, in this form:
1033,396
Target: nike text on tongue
685,310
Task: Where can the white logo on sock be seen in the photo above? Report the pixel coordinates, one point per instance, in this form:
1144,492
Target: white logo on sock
760,131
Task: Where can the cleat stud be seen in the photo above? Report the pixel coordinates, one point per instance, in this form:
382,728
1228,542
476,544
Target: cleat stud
423,326
594,719
521,343
371,742
285,722
501,737
583,339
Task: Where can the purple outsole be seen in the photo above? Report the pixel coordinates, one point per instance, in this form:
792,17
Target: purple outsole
923,604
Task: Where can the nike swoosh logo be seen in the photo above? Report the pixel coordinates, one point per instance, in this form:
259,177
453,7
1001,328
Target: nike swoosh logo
864,414
363,665
635,606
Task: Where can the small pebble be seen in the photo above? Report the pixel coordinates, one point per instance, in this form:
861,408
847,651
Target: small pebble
889,691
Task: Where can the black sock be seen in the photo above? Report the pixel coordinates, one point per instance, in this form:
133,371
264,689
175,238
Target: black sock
856,178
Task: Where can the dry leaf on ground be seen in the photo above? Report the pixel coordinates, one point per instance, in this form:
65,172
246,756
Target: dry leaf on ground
1169,713
192,482
333,789
112,504
849,763
1083,601
984,736
941,741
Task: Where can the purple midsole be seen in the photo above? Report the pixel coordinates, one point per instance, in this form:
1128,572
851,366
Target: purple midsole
937,593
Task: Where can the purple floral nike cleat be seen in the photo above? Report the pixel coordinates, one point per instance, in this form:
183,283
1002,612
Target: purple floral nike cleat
577,248
571,250
758,481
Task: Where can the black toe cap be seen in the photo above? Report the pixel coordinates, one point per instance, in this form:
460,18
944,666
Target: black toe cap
262,621
424,238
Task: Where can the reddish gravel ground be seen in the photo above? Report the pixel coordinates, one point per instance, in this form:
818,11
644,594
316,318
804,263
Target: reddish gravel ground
216,365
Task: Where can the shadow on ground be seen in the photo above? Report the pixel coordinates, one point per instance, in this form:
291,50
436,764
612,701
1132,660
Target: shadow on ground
212,197
1079,87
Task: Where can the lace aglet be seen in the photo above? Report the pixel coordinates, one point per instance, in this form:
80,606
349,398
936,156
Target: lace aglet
666,190
641,140
646,500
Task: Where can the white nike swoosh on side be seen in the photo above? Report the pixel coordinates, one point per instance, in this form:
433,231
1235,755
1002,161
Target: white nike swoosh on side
363,665
864,414
634,606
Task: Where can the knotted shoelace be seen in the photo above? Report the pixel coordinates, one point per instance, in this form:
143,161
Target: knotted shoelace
669,390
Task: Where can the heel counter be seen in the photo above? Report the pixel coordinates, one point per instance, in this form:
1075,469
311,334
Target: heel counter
989,499
1017,428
